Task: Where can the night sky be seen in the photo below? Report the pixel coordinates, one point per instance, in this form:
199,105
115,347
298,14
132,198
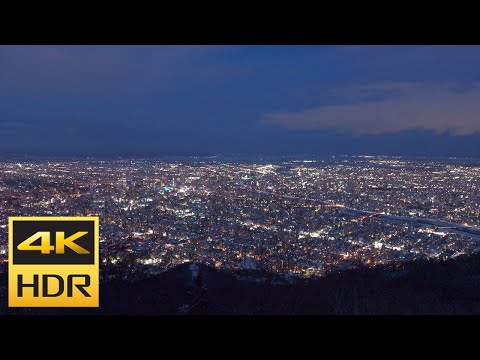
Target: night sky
156,100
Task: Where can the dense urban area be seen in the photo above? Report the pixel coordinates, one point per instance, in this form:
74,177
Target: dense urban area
289,216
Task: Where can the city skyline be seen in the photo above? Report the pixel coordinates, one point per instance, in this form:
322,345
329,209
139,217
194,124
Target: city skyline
295,216
242,179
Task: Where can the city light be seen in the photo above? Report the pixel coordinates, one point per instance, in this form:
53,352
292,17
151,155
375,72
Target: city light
304,217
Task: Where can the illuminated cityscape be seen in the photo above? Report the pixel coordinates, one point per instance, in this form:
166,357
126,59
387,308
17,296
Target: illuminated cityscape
305,218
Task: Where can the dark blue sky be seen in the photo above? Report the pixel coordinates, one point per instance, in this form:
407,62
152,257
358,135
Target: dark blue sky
404,100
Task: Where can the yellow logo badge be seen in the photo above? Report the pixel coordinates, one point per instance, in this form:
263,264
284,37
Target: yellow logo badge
53,262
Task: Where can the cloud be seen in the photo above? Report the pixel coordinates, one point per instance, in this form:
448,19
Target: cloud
392,108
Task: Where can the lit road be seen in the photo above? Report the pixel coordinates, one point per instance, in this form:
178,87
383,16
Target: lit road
445,225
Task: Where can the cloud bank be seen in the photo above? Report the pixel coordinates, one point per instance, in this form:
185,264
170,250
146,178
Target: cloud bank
392,108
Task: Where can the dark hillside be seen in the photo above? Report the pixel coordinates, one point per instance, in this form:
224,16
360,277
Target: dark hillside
450,287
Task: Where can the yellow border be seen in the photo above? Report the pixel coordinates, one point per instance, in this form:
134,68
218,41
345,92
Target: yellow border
53,218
